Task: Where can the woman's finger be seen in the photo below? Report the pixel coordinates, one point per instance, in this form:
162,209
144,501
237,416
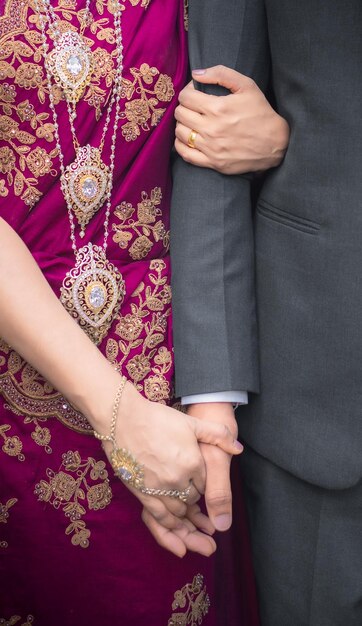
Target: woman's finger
164,537
200,520
159,511
194,540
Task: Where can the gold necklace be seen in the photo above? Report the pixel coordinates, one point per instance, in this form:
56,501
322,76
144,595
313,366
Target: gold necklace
71,60
94,289
87,177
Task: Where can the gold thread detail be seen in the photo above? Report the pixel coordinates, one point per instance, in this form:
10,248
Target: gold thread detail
69,489
191,604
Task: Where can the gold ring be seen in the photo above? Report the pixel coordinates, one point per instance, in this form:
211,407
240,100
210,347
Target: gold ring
191,140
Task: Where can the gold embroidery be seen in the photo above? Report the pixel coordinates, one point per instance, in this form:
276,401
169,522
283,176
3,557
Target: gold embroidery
196,602
29,395
4,516
148,317
15,619
142,3
12,446
186,14
145,226
21,126
70,486
142,113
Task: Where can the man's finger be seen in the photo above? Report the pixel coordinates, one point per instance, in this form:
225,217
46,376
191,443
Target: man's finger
190,118
216,434
183,134
191,155
195,100
218,496
224,76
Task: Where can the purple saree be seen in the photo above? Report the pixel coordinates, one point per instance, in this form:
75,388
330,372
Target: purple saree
73,548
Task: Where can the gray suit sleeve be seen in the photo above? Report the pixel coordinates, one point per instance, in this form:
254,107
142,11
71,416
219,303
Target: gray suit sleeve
215,332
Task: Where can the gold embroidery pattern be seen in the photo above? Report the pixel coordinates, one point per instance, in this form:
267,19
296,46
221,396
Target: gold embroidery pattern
145,227
186,14
12,446
15,619
142,3
29,395
144,329
4,516
137,349
21,165
194,599
70,487
142,113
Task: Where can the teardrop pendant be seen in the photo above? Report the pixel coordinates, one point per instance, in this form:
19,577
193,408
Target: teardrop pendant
93,291
86,183
71,64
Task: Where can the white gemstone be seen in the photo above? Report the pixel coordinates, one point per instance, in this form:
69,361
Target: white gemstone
89,187
124,473
74,65
97,297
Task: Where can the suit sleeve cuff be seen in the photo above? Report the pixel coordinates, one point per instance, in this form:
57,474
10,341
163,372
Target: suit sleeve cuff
235,397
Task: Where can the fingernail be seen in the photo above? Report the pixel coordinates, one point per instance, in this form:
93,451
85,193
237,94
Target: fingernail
238,445
199,72
223,522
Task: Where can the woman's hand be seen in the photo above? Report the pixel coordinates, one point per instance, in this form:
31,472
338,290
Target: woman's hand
166,443
236,133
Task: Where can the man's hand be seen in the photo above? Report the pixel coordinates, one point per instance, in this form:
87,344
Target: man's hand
218,495
166,443
236,133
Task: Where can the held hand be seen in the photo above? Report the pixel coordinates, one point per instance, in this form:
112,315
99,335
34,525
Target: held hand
165,442
193,532
236,133
218,495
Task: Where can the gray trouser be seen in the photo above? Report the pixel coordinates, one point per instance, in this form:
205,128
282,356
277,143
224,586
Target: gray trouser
307,547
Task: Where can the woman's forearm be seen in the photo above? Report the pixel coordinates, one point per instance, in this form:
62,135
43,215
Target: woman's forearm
36,325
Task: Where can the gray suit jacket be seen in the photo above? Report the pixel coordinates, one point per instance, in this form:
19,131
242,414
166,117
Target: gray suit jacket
292,267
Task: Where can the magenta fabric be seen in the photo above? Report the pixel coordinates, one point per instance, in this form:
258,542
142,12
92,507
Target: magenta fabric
73,548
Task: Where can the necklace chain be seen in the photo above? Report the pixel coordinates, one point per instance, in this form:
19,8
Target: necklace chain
114,99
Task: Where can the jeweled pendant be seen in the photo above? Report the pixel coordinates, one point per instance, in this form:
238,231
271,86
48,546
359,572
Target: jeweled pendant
93,291
87,181
71,64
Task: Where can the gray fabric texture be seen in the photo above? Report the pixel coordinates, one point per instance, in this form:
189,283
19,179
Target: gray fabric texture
298,255
307,546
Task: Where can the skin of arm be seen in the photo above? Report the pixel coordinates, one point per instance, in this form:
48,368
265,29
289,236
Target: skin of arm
35,324
237,133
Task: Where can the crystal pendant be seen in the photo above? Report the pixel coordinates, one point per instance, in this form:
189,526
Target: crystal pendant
93,291
71,64
126,468
87,182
